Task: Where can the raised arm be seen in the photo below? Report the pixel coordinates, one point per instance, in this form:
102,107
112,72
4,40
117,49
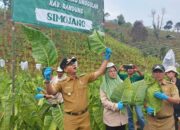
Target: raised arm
50,89
102,68
47,76
138,71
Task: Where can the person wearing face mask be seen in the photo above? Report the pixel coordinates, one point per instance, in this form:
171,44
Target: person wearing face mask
172,75
112,117
164,119
134,74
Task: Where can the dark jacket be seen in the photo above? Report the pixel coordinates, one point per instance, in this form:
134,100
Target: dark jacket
177,106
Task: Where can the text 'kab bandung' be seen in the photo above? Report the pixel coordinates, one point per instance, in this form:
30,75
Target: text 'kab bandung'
86,3
65,6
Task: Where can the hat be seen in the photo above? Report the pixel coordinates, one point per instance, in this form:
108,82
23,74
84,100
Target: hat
158,67
171,68
59,69
66,61
110,64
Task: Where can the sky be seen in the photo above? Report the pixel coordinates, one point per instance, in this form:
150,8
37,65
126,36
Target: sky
1,4
133,10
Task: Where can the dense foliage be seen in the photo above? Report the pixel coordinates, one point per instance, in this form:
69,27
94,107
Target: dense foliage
139,32
96,42
130,93
19,109
43,49
151,46
151,100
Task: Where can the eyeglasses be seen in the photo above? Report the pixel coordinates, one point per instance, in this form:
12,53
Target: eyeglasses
71,63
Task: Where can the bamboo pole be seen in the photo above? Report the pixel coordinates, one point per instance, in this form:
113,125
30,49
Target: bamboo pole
13,69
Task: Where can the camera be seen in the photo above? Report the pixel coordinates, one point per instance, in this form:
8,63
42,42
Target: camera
126,67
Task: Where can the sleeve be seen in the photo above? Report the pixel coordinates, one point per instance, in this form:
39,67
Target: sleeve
90,77
106,102
57,87
178,84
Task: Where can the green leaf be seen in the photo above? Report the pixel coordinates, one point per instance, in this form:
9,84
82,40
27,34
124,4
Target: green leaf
151,100
43,49
128,92
96,42
49,123
123,92
57,114
139,89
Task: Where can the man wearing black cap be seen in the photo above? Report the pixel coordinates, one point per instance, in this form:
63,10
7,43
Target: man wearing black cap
163,120
74,91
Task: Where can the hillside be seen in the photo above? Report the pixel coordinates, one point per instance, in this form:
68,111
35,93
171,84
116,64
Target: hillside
18,107
69,44
149,47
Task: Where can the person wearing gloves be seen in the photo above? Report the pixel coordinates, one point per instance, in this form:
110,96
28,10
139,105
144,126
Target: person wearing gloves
172,75
112,116
74,92
134,74
57,99
163,120
54,100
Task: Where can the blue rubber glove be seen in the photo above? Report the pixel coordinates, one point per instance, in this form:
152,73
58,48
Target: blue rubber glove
107,54
39,89
150,110
120,105
39,96
47,73
161,96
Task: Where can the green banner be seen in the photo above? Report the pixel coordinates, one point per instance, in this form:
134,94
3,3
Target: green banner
76,15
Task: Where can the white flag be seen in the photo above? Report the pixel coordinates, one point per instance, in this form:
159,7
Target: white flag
2,63
24,65
38,66
169,59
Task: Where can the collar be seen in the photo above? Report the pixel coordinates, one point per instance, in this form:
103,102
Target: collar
164,82
71,78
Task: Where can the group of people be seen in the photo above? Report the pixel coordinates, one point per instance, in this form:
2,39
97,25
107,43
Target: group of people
74,93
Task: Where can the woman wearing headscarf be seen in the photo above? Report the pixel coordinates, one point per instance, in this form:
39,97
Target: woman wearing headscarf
112,116
172,75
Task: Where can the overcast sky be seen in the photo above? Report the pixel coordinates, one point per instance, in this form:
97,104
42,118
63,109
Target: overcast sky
134,10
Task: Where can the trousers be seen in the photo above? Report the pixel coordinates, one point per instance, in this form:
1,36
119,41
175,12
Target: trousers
140,117
77,122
